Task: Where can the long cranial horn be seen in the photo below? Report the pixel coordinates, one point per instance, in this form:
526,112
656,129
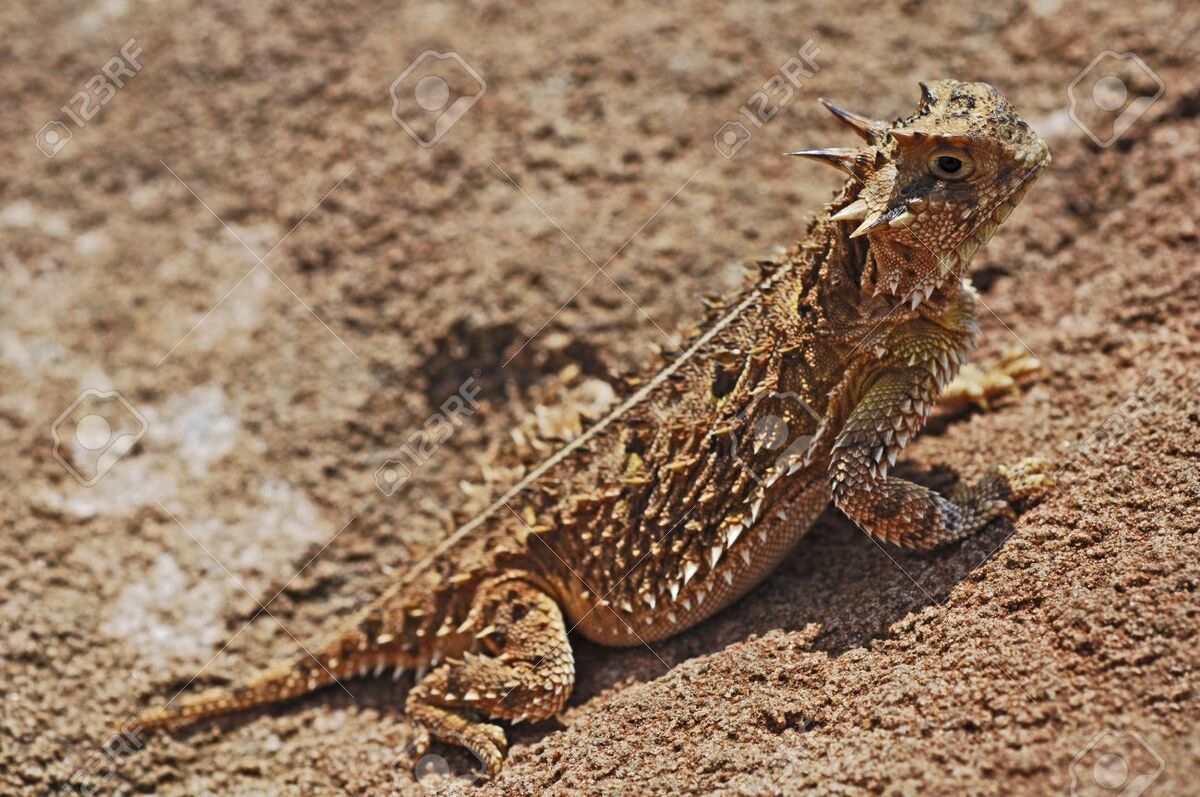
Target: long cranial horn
870,130
855,211
837,157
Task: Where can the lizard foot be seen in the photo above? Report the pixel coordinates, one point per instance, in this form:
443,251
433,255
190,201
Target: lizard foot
525,673
485,741
1029,481
1000,490
978,386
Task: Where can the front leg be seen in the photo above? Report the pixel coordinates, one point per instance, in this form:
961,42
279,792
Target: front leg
891,411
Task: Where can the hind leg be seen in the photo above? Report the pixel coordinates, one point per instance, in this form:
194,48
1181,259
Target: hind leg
527,671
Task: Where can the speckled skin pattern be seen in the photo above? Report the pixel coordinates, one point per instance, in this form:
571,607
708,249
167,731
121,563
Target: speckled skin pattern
799,391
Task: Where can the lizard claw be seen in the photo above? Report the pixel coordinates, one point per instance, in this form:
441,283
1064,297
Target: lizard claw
979,386
418,747
1001,491
1029,481
495,734
487,743
484,741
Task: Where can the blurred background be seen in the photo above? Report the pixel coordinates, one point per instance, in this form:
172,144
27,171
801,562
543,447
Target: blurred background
248,249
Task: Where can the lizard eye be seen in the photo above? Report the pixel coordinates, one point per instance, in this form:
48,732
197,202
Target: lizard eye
951,164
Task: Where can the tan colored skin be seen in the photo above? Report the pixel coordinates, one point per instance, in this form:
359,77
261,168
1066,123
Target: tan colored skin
666,511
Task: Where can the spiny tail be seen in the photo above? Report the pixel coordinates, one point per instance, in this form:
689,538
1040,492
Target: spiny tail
402,630
273,685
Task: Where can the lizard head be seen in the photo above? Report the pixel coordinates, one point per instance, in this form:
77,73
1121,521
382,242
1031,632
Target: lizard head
928,190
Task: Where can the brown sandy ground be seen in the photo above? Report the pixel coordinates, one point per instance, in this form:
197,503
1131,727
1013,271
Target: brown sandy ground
854,669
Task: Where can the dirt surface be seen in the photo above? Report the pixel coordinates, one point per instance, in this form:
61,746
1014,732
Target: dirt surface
272,392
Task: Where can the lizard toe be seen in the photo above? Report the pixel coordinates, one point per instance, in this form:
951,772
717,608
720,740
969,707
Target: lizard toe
496,735
1030,480
481,740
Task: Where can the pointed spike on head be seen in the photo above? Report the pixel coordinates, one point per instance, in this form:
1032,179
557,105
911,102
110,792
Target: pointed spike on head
869,224
855,211
948,262
870,130
928,97
909,136
837,157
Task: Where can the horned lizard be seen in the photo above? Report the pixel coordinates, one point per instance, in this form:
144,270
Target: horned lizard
800,391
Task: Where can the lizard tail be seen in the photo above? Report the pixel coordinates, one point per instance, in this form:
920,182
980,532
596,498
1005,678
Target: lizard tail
273,685
393,633
347,656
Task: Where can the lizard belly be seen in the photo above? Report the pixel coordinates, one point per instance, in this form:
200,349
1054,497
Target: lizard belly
607,625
